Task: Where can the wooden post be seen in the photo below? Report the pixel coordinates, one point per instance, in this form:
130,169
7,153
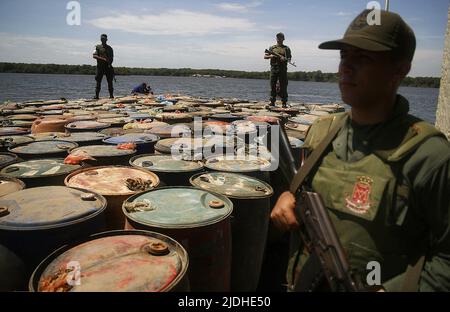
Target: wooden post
443,110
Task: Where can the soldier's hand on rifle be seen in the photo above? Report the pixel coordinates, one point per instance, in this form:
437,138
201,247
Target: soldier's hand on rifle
283,214
283,59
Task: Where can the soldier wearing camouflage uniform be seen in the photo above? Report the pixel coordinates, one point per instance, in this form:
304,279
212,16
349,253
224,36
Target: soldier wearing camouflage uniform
278,70
385,178
104,55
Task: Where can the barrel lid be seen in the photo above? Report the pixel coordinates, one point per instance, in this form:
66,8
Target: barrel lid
112,180
87,124
110,132
233,163
43,147
48,207
9,140
115,120
295,143
22,117
226,117
232,185
139,116
176,130
104,151
165,163
13,131
6,158
177,207
10,185
39,168
137,138
70,137
115,262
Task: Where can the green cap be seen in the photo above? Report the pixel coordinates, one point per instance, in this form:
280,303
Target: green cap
393,34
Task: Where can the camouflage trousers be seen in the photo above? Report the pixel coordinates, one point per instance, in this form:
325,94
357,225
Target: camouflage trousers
281,77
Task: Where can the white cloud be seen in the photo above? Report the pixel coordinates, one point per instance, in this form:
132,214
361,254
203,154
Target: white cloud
341,13
239,53
176,22
238,7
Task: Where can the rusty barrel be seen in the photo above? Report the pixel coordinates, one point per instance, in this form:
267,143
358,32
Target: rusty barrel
105,155
81,138
117,261
10,185
116,184
251,213
145,142
254,166
13,140
40,172
171,171
86,126
43,149
36,221
7,159
199,220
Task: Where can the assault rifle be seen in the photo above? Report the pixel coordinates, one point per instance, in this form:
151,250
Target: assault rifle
280,57
327,256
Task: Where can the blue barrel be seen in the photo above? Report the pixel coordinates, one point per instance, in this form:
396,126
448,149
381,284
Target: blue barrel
171,171
145,143
38,220
199,220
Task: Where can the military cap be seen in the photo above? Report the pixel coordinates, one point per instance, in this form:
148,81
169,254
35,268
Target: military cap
393,34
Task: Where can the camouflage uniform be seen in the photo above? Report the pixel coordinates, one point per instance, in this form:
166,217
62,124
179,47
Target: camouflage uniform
387,190
278,72
387,185
104,68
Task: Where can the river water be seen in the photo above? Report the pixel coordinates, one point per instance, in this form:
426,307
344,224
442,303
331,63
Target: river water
24,87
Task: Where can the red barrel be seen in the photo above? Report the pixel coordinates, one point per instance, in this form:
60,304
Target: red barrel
115,183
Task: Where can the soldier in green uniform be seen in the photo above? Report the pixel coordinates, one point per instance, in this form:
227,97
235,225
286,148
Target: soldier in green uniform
104,55
278,69
385,178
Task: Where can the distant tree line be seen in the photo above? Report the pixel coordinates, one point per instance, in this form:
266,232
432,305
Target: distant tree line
318,76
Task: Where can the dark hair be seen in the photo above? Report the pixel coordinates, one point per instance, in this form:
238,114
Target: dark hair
104,35
280,35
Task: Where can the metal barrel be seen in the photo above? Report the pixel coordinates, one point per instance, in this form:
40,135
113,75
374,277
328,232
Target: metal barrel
43,149
86,125
252,166
199,220
12,270
251,213
116,184
145,143
105,155
13,140
116,261
40,172
36,221
10,185
171,171
7,159
169,131
81,138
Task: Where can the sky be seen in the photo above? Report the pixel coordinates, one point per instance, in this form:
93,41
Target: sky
204,34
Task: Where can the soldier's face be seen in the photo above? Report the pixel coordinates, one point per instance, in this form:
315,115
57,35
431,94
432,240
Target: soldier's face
103,39
365,77
280,40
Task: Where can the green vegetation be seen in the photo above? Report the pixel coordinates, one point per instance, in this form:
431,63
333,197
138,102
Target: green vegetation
318,76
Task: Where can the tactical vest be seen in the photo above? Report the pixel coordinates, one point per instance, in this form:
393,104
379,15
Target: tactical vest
101,51
275,62
368,199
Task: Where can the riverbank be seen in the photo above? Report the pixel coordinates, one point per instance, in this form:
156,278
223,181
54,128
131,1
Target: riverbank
315,76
